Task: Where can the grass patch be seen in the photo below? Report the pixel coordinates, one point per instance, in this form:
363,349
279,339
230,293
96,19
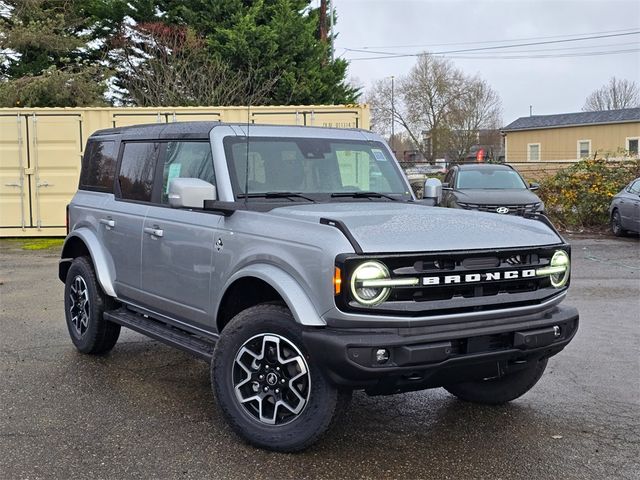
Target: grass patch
39,243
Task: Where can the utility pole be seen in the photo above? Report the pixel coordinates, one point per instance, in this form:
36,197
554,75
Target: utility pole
393,117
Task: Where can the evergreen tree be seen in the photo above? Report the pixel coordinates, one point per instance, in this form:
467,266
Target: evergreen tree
44,58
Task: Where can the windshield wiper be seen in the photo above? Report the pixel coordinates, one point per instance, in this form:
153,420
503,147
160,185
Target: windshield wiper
362,195
289,195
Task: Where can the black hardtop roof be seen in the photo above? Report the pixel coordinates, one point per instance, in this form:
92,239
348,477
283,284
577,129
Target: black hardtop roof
158,130
193,129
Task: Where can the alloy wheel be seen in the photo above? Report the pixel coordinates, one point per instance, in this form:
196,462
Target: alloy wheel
271,379
80,305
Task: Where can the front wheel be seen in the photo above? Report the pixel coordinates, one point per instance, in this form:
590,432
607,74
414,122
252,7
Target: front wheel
84,305
616,224
269,389
496,391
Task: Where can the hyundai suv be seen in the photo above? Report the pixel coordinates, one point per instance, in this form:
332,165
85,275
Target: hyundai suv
299,264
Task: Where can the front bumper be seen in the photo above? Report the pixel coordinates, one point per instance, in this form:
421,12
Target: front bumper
427,357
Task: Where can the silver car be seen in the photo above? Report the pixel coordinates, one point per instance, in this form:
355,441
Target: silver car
624,210
298,263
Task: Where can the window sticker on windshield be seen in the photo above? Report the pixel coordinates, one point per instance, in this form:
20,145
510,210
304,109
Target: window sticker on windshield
174,172
379,155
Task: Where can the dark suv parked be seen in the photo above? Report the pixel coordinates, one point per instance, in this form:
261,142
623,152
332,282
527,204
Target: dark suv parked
297,262
490,188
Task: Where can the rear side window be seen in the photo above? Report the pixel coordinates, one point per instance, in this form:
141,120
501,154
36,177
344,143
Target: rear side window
99,166
137,170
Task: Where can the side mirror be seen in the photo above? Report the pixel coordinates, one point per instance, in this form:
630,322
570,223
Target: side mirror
534,186
445,186
190,192
433,190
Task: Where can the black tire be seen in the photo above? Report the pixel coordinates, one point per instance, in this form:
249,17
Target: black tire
256,328
500,390
616,224
89,331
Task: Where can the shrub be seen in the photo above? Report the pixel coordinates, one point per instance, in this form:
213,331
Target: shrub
579,196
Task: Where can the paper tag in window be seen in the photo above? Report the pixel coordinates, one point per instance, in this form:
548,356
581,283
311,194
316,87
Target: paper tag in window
174,172
379,155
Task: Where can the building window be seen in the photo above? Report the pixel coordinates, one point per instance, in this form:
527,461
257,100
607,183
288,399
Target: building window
632,145
533,152
584,148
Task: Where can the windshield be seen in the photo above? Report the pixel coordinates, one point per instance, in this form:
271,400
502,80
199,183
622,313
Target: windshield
315,168
489,178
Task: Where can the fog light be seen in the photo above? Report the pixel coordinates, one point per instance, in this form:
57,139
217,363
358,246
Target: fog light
382,355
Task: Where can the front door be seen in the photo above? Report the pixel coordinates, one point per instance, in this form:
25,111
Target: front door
178,245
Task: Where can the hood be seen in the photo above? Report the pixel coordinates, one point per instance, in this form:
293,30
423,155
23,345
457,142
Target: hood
496,197
381,227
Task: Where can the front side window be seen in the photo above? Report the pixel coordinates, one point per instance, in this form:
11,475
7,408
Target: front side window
137,170
634,187
186,160
489,178
312,166
99,167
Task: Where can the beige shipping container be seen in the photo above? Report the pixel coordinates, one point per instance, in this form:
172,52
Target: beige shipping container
41,150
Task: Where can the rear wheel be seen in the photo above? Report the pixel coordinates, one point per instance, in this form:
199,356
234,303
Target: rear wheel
269,389
85,303
500,390
616,224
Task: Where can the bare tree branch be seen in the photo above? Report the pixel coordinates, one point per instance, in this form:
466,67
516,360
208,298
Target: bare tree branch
617,94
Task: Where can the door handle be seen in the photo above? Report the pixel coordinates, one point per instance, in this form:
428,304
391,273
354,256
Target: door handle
154,231
14,184
45,184
107,222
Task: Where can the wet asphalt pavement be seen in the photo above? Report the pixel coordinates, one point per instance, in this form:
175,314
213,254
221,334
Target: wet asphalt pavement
146,410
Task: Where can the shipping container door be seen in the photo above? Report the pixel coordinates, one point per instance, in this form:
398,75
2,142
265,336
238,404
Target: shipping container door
14,188
195,116
139,118
55,154
283,117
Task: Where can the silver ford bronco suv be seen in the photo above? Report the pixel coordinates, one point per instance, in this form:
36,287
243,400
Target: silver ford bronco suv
297,261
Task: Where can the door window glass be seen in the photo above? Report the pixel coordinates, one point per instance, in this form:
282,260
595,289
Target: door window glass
187,160
137,170
99,167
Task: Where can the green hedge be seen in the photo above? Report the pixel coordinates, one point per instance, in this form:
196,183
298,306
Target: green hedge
579,196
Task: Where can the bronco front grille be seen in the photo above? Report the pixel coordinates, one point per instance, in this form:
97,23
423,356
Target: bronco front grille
459,282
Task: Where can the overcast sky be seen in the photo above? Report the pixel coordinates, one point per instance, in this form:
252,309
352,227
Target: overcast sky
551,85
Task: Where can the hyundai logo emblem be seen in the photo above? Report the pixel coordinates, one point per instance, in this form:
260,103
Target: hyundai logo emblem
502,210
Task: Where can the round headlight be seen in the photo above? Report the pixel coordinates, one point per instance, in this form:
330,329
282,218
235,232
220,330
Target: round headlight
369,295
560,265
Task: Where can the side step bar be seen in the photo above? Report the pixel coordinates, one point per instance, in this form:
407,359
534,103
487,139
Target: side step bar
162,332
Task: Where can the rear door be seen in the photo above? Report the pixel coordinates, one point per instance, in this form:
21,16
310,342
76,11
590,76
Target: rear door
122,225
178,244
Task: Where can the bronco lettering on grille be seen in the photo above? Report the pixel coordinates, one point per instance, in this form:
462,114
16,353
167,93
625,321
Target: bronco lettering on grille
478,277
